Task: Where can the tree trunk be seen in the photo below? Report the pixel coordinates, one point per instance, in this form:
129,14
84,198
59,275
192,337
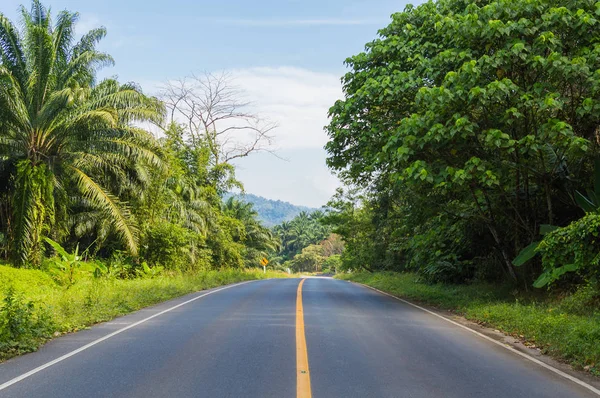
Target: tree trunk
33,205
489,221
549,204
505,258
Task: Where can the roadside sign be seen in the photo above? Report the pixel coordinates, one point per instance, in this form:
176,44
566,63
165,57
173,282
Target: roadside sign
264,263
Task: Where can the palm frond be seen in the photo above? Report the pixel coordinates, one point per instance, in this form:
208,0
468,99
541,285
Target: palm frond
11,51
132,104
12,106
63,34
75,136
82,69
88,41
40,55
52,113
120,215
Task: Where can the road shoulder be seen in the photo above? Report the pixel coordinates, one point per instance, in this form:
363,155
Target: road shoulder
505,340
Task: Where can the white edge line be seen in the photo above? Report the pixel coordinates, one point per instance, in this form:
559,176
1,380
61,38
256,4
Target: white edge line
513,350
108,336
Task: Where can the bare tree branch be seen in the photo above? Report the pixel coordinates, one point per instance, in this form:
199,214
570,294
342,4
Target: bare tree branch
212,111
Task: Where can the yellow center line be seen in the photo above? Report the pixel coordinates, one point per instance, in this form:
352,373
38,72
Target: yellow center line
303,375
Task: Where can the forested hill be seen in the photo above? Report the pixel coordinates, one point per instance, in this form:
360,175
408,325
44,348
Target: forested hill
271,212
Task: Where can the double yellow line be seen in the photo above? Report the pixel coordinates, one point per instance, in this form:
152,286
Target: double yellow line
303,374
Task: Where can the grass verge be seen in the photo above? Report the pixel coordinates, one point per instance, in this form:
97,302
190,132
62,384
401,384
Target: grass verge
33,308
567,328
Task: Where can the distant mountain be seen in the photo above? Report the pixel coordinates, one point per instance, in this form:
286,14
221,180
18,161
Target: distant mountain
271,212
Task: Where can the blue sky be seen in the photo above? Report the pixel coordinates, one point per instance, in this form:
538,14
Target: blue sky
287,56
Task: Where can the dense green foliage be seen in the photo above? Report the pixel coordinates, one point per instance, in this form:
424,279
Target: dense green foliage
259,241
76,167
303,230
34,308
324,256
66,141
271,212
307,244
466,127
565,327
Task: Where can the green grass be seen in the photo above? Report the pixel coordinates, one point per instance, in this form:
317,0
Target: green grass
567,328
33,308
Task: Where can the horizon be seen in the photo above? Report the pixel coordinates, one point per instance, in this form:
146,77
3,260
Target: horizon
274,200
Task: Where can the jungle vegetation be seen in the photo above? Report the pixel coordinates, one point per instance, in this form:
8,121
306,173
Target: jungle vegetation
468,141
77,168
308,244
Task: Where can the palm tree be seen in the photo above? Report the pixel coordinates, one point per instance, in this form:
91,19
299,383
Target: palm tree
239,210
259,240
304,230
63,137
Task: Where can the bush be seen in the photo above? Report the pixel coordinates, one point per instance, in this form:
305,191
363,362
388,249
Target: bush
436,249
169,245
121,266
332,263
224,249
444,271
25,280
23,325
574,248
584,301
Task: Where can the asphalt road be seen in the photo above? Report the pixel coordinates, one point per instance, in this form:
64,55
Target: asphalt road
241,342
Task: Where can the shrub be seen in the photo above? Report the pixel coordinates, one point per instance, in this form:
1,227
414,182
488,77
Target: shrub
22,324
436,249
574,248
332,263
584,301
120,266
168,245
453,271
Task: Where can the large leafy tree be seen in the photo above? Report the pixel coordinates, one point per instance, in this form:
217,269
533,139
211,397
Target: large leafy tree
65,139
483,112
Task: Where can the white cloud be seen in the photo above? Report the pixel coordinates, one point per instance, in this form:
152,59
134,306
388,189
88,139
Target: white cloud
297,99
303,179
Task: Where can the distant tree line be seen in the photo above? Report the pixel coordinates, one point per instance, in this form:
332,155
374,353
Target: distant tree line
307,244
271,212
